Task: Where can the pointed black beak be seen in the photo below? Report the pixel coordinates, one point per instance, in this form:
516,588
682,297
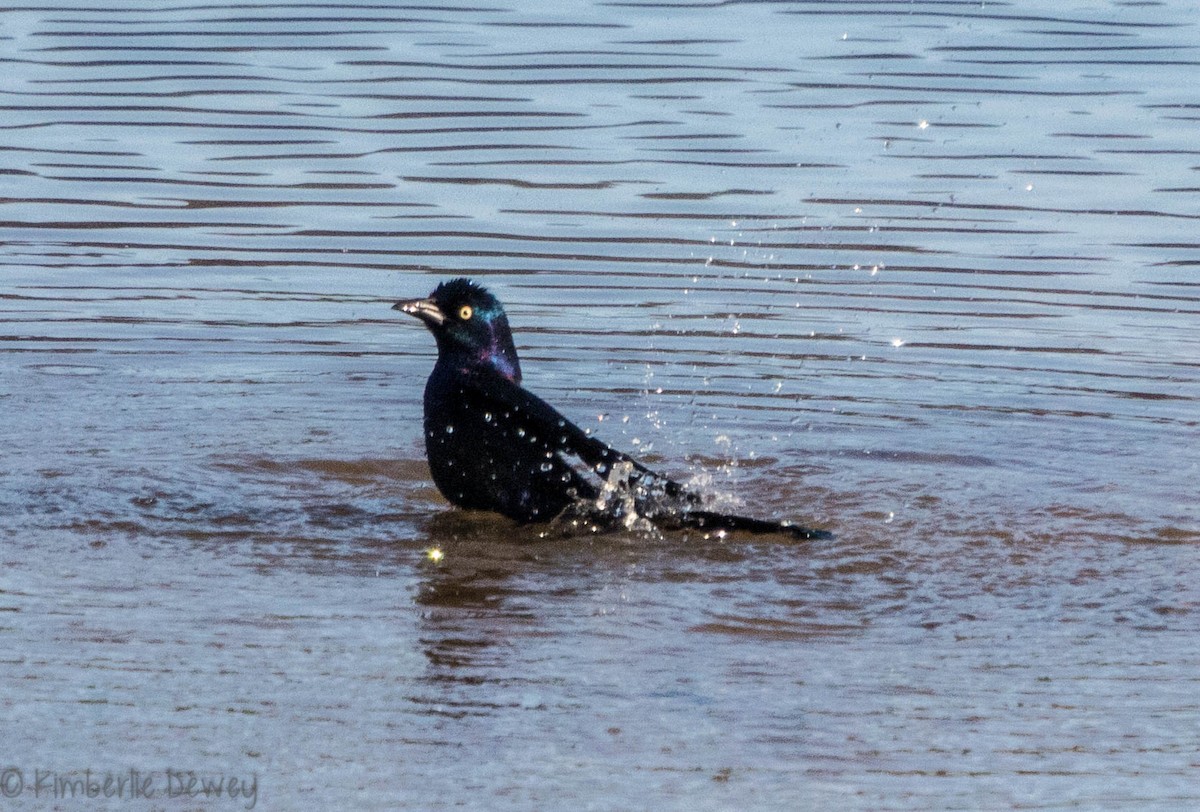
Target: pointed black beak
424,309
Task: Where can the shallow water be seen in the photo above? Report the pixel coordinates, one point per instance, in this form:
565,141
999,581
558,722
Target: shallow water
922,273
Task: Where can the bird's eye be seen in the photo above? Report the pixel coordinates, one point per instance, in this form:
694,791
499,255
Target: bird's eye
465,312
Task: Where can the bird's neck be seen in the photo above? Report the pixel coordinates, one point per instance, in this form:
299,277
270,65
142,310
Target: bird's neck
502,354
498,357
504,363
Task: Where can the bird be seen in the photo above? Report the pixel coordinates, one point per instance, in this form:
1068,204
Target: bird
493,445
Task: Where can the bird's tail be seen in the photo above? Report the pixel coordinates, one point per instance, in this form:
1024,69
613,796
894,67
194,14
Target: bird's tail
709,520
633,496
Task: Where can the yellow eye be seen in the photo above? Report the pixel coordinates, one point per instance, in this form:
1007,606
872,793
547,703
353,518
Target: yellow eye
465,312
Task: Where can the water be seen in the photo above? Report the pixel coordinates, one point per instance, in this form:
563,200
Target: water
922,273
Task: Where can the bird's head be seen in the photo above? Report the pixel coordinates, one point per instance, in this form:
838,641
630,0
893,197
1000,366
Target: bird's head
469,325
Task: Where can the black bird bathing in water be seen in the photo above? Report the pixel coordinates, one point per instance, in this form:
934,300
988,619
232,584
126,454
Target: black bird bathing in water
493,445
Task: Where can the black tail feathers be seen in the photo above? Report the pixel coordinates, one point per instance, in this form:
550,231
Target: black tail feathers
708,520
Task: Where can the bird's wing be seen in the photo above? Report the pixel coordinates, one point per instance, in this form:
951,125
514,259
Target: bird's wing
681,508
567,437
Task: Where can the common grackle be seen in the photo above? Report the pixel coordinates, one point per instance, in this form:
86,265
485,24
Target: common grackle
493,445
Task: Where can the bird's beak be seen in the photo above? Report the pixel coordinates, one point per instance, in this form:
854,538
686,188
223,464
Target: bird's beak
424,309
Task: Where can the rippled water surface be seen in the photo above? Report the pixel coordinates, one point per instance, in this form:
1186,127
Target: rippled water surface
924,273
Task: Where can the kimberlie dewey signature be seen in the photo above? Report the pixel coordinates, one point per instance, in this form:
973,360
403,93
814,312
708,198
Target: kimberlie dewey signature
128,785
